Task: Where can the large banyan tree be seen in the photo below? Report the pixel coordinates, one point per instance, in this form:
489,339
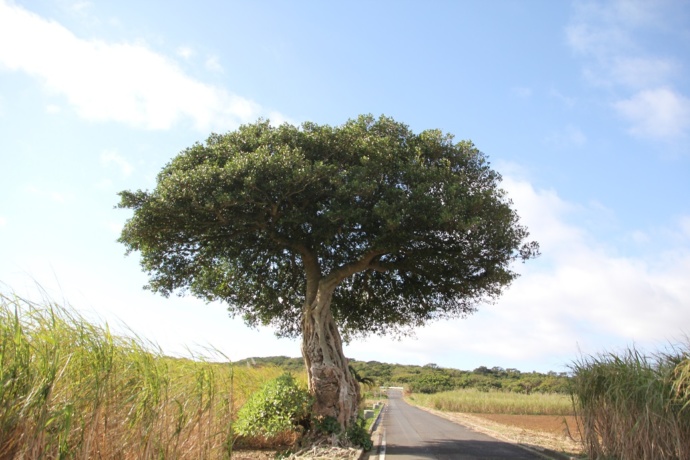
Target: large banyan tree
329,231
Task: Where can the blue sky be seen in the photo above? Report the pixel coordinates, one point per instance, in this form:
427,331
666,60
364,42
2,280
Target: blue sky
584,108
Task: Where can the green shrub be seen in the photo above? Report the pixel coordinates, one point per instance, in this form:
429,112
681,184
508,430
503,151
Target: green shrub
327,425
359,436
279,406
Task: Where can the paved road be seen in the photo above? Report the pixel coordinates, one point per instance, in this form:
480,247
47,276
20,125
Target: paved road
410,433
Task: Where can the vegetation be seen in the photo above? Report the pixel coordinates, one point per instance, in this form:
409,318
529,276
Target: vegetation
69,388
496,402
361,228
279,406
432,378
634,406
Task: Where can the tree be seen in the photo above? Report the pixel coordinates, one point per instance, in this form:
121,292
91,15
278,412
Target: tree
363,228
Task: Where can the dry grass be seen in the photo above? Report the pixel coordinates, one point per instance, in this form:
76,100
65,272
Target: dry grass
635,406
69,388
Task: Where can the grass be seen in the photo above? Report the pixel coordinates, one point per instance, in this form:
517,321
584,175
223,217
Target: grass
634,406
496,402
70,388
370,421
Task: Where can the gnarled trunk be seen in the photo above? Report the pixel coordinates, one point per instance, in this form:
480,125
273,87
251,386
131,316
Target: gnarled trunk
330,381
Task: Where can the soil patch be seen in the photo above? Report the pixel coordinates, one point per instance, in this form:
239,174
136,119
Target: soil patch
558,425
538,432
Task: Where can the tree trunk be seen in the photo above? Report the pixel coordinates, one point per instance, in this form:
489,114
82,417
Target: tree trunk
331,383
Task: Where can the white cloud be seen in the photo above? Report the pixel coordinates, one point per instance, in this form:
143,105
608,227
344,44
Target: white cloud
642,72
611,38
3,221
114,227
213,64
567,101
522,92
112,157
684,225
104,184
55,196
585,285
185,51
570,135
122,82
53,109
657,113
579,296
80,6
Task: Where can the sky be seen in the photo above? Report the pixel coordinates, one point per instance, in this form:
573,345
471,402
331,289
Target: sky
583,107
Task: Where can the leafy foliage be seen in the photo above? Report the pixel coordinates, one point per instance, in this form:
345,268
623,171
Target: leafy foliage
279,406
433,379
416,223
327,425
359,436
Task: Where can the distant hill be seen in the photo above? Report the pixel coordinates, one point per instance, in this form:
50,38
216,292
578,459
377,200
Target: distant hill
431,378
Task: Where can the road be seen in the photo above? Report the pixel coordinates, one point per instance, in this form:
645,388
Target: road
409,433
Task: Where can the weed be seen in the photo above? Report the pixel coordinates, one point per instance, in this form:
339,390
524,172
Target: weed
70,388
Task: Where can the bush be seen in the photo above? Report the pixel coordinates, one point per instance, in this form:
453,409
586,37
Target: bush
327,425
279,406
359,436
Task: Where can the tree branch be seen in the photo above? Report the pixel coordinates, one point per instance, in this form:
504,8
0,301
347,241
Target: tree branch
347,270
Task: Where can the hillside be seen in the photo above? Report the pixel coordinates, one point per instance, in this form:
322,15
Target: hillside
431,378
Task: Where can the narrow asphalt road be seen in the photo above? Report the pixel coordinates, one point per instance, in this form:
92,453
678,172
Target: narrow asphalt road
410,433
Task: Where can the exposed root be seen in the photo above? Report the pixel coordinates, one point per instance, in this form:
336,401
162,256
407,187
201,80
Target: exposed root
326,453
324,448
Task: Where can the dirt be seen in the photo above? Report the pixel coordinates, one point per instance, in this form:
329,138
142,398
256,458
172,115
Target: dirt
557,425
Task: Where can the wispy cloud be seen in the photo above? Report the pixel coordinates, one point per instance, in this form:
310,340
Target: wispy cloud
570,135
613,39
111,157
660,113
122,82
522,92
185,52
56,196
213,64
80,6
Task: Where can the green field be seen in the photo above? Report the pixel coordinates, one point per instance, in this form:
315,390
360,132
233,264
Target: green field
496,402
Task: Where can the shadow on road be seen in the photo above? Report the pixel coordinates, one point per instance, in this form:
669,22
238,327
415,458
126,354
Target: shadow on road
463,450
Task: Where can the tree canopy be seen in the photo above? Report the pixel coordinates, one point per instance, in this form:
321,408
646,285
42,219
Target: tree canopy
412,227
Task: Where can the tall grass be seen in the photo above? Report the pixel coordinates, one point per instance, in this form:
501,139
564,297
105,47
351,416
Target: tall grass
496,402
72,389
634,406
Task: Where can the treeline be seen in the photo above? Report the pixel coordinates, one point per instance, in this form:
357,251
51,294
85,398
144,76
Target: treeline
432,378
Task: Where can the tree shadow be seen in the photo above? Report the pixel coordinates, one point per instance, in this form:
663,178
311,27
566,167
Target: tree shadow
460,450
